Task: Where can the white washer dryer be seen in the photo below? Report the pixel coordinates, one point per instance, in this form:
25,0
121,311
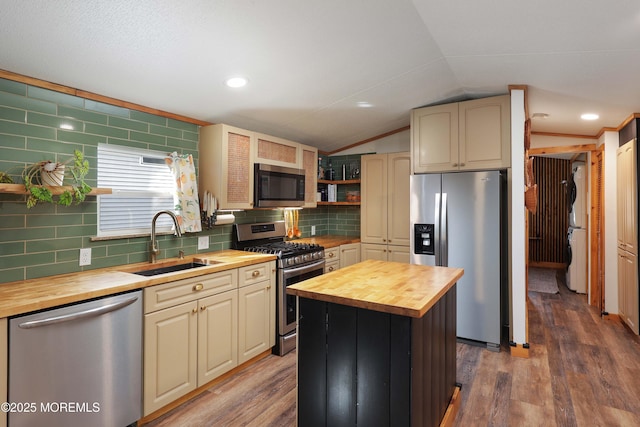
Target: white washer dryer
578,196
577,271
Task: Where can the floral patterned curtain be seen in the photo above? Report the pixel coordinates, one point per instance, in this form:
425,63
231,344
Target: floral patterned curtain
186,198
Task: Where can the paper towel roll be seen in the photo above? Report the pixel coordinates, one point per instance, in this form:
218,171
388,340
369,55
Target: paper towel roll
225,219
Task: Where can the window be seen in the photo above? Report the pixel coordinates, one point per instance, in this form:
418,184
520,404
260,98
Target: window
142,185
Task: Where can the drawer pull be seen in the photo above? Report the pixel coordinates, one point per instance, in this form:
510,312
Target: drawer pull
330,268
198,287
331,254
268,287
256,273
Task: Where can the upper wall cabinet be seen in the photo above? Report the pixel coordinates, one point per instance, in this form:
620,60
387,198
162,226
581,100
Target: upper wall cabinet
225,166
309,162
277,151
470,135
227,155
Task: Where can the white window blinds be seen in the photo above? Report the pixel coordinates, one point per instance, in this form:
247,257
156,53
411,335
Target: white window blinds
142,185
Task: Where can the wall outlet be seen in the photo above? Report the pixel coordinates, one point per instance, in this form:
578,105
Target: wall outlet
85,256
313,230
203,242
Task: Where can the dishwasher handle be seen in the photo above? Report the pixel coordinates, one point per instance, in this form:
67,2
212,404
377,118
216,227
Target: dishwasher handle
92,312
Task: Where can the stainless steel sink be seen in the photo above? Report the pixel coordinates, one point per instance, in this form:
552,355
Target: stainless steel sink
170,269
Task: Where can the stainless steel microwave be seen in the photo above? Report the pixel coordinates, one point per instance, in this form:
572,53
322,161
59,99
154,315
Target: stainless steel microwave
277,186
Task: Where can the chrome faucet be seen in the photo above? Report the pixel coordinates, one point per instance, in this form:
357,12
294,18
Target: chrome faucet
153,247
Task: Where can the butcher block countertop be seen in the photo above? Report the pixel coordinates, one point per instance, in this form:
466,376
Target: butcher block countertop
36,294
328,241
388,287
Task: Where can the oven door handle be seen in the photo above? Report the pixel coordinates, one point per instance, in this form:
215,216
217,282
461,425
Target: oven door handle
289,272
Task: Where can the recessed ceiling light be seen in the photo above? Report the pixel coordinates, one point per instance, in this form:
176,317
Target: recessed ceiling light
364,104
589,116
236,82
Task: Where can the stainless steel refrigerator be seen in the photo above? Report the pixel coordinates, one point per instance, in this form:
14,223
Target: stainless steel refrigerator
458,220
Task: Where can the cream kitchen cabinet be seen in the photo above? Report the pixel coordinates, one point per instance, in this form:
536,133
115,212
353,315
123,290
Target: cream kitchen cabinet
331,259
4,367
384,213
384,252
257,310
626,174
628,306
349,254
309,162
225,165
189,335
469,135
627,197
341,256
277,151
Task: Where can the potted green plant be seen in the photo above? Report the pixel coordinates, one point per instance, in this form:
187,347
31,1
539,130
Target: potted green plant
39,177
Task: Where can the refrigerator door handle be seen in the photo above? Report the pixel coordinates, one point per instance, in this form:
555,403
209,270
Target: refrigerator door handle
444,244
436,231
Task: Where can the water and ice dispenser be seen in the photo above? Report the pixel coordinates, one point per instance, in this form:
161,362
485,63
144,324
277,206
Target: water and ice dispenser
423,239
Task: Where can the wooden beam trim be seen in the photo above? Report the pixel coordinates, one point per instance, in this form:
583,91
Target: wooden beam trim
562,149
373,138
96,97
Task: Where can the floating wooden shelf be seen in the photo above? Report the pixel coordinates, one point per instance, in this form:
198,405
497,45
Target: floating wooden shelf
19,189
339,181
338,203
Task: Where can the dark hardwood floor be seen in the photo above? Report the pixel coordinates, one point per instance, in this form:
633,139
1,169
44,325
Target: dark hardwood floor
583,370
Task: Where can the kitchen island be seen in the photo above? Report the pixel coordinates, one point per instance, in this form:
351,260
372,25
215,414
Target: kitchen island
377,345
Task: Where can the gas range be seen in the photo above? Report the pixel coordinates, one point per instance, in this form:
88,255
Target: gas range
296,262
268,238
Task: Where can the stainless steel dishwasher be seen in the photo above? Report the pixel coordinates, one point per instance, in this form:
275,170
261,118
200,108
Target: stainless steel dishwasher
79,365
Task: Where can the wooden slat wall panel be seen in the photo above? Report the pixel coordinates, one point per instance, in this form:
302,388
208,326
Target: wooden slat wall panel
548,226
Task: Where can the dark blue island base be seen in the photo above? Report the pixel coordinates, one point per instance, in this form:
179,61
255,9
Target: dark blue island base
358,367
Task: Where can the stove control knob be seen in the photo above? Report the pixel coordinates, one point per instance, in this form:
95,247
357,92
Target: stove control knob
296,259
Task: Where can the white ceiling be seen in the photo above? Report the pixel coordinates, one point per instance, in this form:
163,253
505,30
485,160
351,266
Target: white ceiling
310,62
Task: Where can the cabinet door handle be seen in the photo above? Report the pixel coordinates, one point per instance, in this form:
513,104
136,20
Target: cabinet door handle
256,273
268,287
454,165
203,308
195,310
198,287
461,164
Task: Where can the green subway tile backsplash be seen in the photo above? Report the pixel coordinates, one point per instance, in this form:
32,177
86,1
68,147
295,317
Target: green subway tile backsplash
45,240
84,115
106,108
9,86
53,96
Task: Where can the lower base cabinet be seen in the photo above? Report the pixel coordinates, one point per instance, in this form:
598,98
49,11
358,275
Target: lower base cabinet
384,252
349,254
628,304
341,256
198,329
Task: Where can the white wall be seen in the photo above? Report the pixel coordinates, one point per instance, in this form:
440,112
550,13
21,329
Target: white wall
610,141
518,216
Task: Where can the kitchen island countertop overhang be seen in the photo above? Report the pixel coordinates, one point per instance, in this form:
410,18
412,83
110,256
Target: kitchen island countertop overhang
389,287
